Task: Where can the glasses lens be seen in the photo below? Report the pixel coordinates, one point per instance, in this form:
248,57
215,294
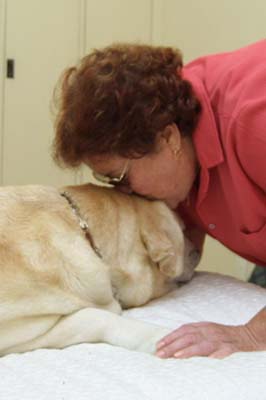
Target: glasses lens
101,178
121,180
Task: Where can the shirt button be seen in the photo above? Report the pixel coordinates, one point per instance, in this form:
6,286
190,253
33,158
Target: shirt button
212,226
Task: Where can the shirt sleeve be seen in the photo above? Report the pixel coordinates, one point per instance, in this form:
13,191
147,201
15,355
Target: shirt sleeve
251,142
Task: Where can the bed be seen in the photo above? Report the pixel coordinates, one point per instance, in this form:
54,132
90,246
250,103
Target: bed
100,371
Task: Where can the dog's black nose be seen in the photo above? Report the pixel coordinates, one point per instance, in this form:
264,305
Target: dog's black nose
194,257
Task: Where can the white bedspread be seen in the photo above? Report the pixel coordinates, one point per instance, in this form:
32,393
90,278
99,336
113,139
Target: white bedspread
100,371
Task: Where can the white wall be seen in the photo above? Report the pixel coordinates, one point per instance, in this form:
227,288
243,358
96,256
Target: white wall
199,27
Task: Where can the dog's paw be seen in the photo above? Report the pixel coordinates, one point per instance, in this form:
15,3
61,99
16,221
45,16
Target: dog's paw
148,345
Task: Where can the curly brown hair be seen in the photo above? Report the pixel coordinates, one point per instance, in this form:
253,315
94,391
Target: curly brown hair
118,99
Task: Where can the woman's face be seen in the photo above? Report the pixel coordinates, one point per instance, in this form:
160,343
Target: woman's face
167,174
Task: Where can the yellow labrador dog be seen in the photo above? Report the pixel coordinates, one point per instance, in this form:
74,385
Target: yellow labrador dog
71,259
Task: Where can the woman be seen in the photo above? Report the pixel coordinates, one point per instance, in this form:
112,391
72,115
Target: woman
193,136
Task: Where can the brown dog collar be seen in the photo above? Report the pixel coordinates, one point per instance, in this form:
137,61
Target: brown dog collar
82,223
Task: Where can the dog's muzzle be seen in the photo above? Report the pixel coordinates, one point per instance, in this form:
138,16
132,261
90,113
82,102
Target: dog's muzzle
191,259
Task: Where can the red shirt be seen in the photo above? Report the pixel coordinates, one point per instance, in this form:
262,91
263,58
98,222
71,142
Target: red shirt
230,140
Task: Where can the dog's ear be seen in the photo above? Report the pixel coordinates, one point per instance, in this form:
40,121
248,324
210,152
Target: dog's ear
162,236
161,252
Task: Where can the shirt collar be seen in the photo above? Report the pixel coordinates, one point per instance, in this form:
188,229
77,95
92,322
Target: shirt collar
206,136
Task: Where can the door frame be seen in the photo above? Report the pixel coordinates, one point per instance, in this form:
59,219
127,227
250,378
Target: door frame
3,5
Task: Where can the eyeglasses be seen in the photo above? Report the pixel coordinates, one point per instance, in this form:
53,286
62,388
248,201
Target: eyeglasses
113,180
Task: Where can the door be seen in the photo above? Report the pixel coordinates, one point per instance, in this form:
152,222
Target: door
41,39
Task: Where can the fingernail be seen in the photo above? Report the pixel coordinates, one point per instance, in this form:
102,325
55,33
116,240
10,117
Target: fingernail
178,354
160,345
160,354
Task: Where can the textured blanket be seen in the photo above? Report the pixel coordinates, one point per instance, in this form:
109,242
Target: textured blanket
100,371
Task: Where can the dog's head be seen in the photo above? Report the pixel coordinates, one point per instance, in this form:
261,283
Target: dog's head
142,242
165,255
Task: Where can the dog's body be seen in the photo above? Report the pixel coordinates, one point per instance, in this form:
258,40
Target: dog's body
55,290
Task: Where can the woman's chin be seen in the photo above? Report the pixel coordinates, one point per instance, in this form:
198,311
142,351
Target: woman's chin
172,203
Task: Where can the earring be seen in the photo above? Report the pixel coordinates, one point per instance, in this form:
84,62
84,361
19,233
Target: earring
177,152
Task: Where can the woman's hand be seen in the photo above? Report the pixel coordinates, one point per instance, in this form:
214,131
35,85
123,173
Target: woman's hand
214,340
